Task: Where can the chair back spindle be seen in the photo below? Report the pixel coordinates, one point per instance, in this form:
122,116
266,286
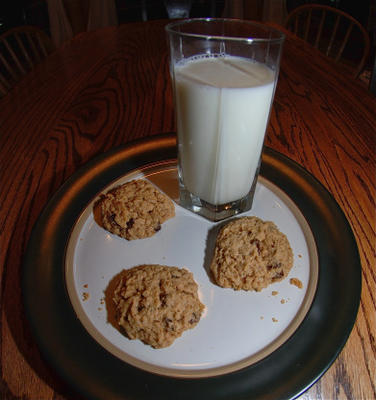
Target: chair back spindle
21,49
333,32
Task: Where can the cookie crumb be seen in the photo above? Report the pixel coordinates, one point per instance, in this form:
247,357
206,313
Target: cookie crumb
283,301
296,282
86,286
85,296
274,319
274,293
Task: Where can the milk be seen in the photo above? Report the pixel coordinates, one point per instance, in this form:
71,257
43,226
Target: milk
223,108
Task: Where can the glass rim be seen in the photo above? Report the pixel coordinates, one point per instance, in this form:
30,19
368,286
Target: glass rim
280,36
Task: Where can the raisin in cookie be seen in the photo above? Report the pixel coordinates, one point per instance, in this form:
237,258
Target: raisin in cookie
250,254
156,303
135,210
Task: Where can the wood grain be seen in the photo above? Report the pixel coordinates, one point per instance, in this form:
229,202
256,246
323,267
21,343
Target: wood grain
109,87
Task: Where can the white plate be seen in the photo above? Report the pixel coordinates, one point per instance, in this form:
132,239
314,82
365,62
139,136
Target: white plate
237,329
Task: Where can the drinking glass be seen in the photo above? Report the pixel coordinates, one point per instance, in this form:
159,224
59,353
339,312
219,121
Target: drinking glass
224,74
178,8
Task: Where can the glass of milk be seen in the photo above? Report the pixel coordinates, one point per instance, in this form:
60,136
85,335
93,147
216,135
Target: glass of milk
224,73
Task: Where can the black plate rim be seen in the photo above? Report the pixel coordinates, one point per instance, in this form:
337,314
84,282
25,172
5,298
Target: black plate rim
96,374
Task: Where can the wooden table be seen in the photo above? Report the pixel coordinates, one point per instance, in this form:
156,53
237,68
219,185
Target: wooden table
109,87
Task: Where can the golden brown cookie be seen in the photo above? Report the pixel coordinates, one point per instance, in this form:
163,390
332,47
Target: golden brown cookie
250,254
157,303
134,210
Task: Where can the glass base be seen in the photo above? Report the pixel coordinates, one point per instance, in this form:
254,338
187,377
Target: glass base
215,212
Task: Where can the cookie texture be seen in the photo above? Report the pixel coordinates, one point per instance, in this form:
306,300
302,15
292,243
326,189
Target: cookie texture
250,254
135,210
157,303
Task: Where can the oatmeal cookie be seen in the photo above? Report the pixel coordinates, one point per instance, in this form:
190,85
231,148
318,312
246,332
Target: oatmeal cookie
135,210
250,254
157,303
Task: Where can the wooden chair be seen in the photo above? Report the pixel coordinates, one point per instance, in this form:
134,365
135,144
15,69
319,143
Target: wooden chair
333,32
21,49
